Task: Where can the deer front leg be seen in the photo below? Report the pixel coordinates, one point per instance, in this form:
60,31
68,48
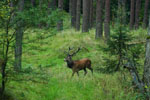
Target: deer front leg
91,70
85,72
73,73
78,73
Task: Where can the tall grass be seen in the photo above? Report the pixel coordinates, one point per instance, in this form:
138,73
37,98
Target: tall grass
52,79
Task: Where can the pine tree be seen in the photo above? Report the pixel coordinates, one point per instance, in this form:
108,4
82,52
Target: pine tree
86,15
132,14
99,20
19,37
107,19
60,21
78,15
145,19
91,14
137,12
73,12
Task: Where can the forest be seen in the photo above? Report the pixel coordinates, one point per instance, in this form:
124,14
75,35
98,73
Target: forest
74,49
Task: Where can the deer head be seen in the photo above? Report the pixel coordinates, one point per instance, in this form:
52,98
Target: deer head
77,65
68,59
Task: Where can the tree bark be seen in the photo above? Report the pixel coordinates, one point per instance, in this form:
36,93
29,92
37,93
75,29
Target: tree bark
145,20
70,6
124,12
52,4
11,3
40,6
19,36
91,14
60,22
33,3
99,21
137,12
78,15
86,16
107,19
146,76
132,14
73,13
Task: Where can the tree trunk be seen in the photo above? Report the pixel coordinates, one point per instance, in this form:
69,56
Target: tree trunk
52,4
146,76
11,3
91,14
132,14
119,9
86,16
137,12
145,20
3,66
60,22
78,15
73,13
19,36
99,21
121,12
107,19
33,3
18,47
124,12
40,6
70,6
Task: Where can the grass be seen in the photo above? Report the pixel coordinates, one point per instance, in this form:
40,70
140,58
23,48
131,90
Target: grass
48,78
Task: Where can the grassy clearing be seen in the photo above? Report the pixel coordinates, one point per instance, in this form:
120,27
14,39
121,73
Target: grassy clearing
48,78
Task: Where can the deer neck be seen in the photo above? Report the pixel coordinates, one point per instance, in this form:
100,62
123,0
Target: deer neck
70,64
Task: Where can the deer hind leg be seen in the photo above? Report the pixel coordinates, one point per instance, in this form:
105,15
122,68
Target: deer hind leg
85,71
73,73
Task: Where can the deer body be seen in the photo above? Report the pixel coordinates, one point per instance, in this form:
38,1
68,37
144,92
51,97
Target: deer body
78,65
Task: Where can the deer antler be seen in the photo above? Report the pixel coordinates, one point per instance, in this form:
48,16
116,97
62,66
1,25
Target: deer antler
69,49
67,52
76,51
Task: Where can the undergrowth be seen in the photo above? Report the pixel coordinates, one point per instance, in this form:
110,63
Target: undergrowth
46,77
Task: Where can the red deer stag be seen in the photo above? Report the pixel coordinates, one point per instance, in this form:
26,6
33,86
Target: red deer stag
77,65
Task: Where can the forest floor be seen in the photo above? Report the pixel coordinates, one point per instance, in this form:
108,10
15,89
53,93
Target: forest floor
45,75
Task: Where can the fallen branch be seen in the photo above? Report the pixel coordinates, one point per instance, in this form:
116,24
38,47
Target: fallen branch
135,76
139,42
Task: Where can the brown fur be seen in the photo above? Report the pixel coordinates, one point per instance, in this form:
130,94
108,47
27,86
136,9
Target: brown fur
81,65
78,65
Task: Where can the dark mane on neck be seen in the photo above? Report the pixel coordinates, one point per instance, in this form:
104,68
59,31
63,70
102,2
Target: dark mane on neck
70,64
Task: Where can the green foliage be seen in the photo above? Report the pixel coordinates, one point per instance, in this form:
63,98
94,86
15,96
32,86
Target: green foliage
46,77
45,17
5,12
118,47
118,40
31,16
